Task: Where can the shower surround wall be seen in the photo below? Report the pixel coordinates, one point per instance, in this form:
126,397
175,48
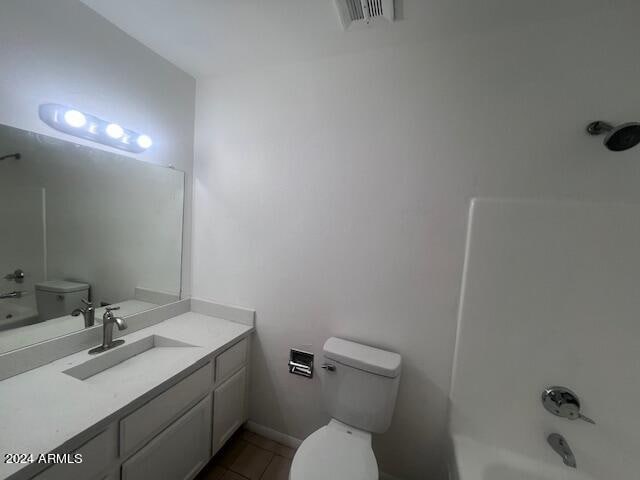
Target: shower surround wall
332,195
22,210
551,296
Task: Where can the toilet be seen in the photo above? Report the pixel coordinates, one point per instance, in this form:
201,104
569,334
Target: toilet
57,298
359,386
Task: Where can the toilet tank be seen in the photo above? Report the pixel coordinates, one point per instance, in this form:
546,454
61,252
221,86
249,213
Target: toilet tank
57,298
360,384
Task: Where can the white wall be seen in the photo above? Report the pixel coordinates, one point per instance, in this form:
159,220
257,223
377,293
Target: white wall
332,195
551,298
63,52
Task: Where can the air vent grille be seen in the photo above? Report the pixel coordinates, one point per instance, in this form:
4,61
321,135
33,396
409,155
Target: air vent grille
375,8
355,10
364,12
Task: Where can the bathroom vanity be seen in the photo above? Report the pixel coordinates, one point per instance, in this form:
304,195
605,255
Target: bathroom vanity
159,406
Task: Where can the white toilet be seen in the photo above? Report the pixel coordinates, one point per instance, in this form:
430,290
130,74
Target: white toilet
57,298
359,386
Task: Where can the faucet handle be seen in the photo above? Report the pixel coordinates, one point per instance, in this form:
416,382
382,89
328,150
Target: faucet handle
571,410
87,302
108,315
562,402
586,419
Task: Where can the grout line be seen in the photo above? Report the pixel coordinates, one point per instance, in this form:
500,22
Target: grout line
234,472
238,474
267,465
262,474
267,468
259,448
247,441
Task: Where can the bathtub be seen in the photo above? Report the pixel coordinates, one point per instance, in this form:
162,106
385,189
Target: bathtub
472,460
13,315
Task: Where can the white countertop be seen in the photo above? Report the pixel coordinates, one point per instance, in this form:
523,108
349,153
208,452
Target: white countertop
43,408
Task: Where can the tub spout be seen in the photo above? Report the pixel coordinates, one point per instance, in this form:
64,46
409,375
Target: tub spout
561,447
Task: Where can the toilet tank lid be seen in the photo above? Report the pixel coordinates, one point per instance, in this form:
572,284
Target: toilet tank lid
61,286
363,357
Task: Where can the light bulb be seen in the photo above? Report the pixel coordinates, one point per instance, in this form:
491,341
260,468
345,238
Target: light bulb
144,141
75,118
114,130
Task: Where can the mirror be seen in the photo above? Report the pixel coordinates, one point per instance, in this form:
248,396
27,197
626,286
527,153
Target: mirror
82,224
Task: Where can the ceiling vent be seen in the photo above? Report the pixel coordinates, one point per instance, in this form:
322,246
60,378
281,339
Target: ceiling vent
362,13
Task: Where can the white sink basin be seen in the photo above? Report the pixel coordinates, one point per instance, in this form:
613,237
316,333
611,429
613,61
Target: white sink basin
129,359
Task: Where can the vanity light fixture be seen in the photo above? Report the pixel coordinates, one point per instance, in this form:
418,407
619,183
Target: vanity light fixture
114,130
75,118
84,125
144,141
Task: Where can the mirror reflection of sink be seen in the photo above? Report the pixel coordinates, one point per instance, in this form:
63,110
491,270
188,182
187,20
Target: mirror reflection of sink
125,359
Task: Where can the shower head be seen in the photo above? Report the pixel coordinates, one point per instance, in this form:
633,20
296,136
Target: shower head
618,139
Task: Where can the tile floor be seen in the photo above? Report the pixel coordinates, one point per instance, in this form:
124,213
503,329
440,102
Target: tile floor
248,456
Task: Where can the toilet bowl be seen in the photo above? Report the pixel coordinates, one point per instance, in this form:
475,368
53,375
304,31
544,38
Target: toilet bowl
335,451
359,386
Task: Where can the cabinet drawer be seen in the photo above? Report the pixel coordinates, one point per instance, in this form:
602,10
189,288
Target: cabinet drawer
179,452
98,454
153,417
229,361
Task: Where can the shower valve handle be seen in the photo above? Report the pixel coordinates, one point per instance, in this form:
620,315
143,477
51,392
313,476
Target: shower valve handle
562,402
572,412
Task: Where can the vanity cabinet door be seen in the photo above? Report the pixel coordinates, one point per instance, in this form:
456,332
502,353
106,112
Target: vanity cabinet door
228,408
145,423
179,452
98,454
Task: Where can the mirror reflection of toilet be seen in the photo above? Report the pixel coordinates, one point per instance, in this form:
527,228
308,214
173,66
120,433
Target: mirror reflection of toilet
57,298
359,386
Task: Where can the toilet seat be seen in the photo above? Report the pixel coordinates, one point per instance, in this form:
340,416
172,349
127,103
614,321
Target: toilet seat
335,451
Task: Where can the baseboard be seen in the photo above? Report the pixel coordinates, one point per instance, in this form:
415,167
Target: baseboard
290,441
272,434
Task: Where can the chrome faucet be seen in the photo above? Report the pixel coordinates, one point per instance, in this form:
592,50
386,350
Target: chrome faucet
88,312
561,447
15,276
108,320
14,294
